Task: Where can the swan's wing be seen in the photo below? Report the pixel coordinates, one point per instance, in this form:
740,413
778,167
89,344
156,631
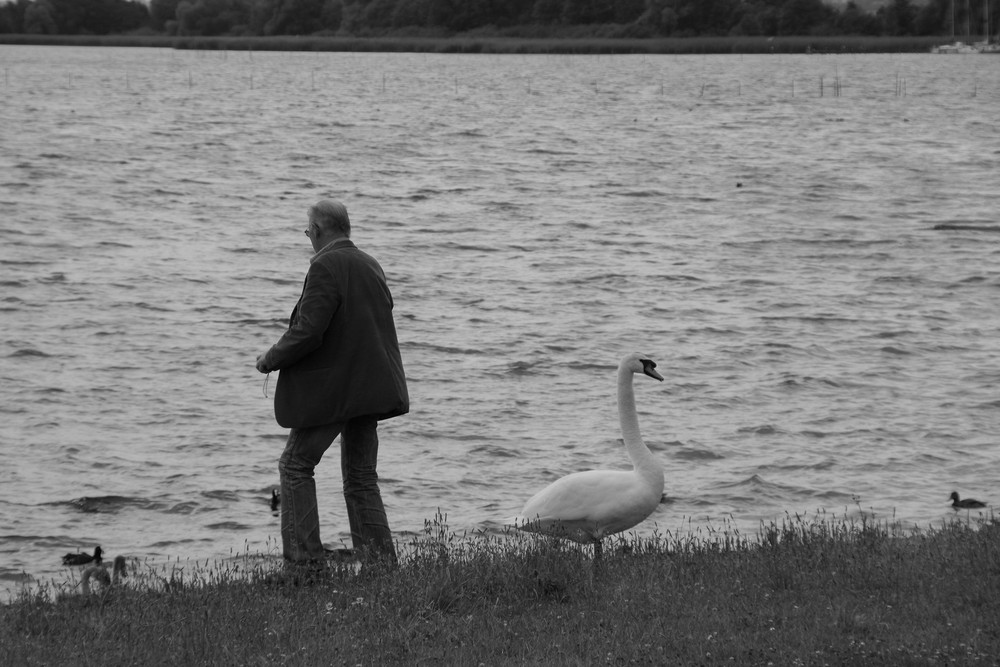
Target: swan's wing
590,504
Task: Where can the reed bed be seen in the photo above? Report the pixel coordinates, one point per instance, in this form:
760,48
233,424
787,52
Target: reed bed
810,591
494,45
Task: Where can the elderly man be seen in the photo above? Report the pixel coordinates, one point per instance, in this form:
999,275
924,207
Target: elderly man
341,372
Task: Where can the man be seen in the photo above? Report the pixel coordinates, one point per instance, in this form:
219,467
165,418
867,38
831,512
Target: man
341,373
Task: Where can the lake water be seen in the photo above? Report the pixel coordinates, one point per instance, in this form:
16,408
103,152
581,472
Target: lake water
769,242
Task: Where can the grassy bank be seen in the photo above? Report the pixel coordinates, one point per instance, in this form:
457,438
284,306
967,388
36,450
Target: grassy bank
808,592
676,46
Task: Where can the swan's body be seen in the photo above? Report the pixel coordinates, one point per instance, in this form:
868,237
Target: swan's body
966,504
588,506
83,559
99,573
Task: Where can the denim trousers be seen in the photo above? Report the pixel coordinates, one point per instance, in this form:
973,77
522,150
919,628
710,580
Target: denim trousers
369,525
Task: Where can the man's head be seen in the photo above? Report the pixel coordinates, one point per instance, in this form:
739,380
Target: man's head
328,221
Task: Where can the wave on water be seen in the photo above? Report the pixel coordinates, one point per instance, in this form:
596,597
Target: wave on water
27,352
495,451
687,452
966,227
229,525
756,487
520,368
763,429
108,504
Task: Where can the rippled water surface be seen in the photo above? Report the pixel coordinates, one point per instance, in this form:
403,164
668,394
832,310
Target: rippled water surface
776,247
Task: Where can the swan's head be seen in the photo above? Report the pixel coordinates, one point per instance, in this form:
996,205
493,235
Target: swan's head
641,363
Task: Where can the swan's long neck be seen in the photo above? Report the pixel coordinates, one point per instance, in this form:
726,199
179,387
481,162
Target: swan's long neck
640,455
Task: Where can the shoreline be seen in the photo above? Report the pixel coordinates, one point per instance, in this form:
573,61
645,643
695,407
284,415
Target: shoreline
499,45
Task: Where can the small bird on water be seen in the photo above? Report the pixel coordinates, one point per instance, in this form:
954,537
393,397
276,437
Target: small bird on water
966,504
83,559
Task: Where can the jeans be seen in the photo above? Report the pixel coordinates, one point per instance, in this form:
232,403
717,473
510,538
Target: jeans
370,533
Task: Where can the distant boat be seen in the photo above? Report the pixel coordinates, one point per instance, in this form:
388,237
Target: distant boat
957,47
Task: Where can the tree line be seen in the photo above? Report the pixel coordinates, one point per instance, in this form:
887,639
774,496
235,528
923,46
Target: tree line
511,18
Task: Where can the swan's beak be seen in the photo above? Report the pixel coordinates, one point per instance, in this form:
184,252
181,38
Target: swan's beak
649,368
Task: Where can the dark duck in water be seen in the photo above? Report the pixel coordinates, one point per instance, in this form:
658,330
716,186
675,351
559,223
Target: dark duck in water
967,504
83,559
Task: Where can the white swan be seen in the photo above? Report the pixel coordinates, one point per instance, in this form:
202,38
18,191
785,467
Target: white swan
587,506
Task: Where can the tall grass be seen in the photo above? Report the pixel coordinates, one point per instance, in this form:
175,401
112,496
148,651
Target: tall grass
486,44
812,590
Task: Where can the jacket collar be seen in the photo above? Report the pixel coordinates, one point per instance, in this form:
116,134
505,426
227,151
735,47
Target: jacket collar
331,246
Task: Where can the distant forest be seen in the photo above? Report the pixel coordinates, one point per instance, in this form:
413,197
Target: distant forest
502,18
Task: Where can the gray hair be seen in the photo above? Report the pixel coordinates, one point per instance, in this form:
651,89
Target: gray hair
331,215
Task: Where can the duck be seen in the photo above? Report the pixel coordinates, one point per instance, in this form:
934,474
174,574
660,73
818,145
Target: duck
587,506
83,559
966,504
100,573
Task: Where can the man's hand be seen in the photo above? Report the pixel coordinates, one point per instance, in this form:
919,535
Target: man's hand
261,366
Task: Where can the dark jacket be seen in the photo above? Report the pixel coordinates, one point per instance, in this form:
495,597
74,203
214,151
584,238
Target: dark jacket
340,357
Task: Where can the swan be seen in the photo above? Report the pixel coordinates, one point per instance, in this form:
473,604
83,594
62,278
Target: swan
587,506
100,573
968,503
83,559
